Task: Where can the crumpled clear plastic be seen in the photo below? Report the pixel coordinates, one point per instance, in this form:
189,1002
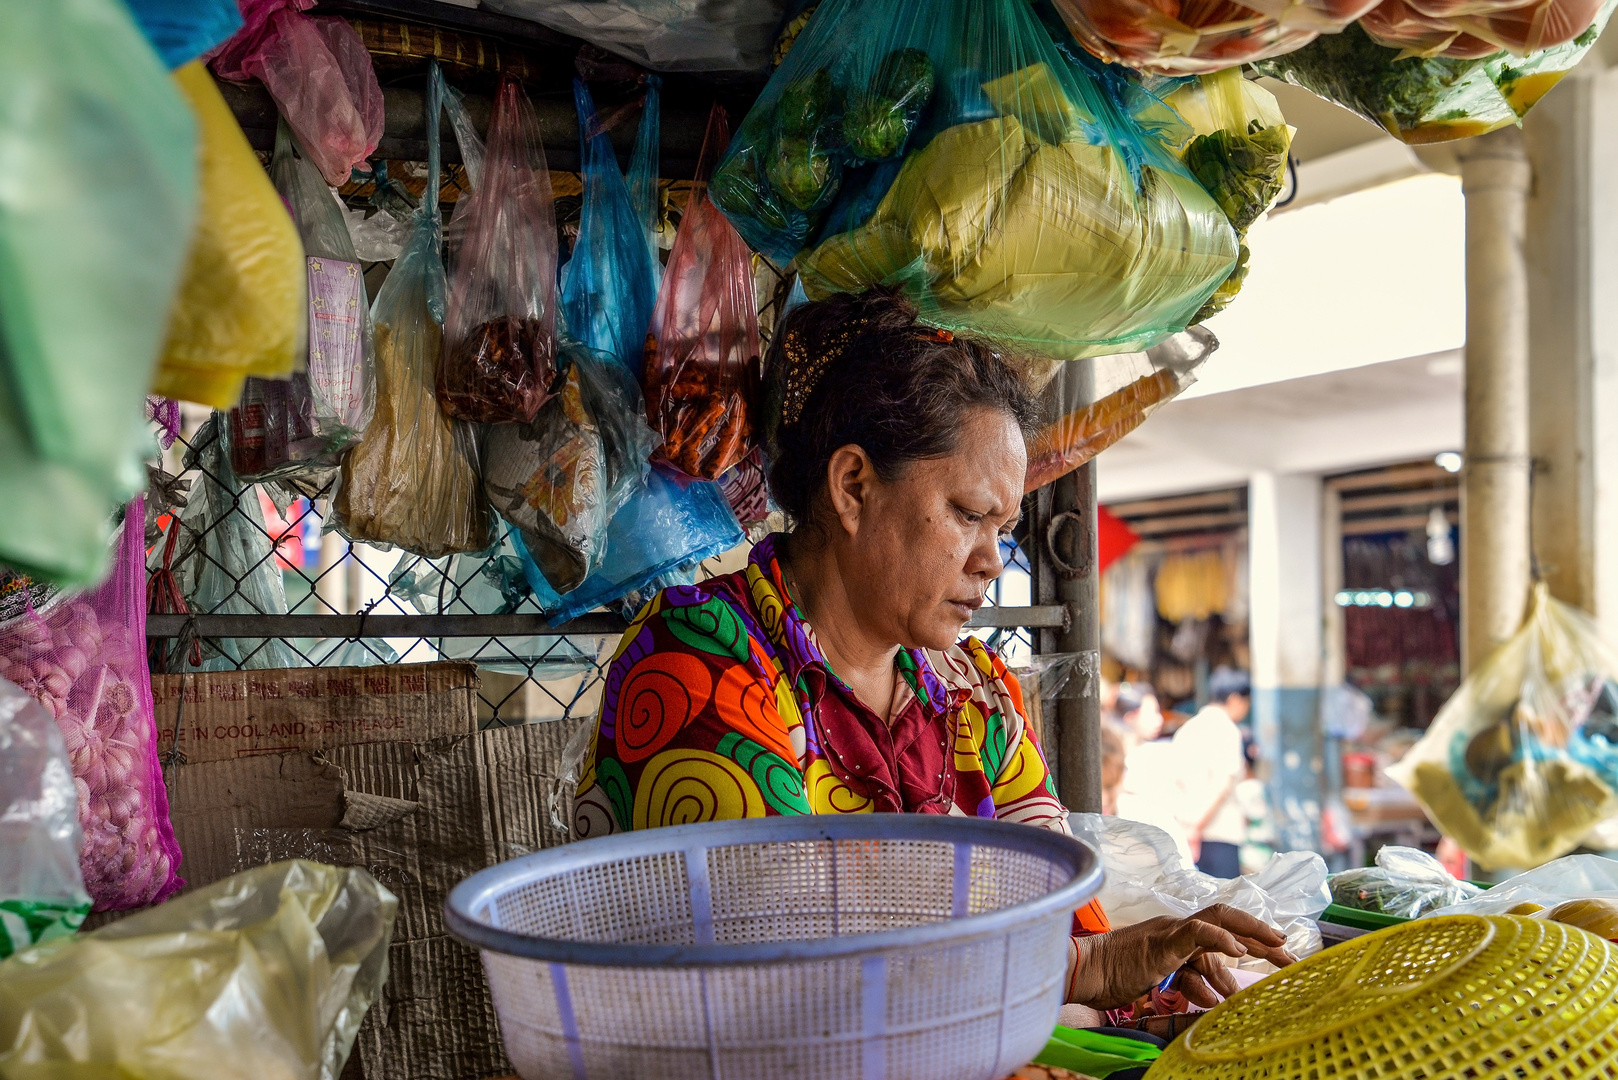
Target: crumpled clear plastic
265,975
664,35
1088,405
319,73
1405,882
1572,877
1523,760
99,151
1426,99
1015,189
42,894
1146,877
1472,28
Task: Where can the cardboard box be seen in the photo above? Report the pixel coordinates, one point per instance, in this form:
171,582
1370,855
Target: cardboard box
396,779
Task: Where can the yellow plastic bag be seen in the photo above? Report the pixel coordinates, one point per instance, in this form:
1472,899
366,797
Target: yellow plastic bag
240,309
1523,760
263,976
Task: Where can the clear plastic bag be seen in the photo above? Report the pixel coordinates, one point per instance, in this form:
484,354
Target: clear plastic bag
610,283
240,311
265,974
298,427
320,75
101,151
1196,39
746,489
1146,877
560,479
671,523
1090,405
1405,882
182,30
702,352
1425,99
664,35
1572,877
225,560
499,364
1467,29
84,660
42,893
1523,759
412,479
1007,184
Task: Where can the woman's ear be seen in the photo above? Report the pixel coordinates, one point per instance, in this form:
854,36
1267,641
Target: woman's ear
849,478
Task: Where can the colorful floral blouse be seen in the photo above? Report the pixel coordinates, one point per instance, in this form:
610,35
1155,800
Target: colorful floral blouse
719,704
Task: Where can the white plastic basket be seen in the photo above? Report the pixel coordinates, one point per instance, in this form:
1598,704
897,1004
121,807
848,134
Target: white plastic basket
876,946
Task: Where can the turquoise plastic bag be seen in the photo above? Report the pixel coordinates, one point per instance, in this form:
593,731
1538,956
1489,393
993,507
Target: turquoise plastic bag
99,151
672,523
182,30
610,284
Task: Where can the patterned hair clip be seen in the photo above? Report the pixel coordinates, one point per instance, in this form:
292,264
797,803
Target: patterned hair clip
803,371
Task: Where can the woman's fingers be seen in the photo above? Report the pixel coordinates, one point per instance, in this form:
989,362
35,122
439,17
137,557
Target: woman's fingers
1194,935
1216,974
1196,990
1242,924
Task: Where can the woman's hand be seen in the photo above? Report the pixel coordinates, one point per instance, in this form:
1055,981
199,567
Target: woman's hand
1114,969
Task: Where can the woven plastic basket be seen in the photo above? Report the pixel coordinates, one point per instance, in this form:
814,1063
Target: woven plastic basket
873,946
1484,997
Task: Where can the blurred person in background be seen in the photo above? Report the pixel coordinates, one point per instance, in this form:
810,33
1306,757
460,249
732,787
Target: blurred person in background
1151,790
1207,754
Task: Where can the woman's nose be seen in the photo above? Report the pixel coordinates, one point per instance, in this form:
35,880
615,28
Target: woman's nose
986,560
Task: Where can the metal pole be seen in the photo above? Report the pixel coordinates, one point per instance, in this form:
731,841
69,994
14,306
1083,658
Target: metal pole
1071,546
1495,495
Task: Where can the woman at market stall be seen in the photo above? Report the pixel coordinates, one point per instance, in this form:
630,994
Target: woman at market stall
826,676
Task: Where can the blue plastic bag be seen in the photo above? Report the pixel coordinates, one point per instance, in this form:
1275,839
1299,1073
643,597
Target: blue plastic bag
610,284
182,30
673,522
643,169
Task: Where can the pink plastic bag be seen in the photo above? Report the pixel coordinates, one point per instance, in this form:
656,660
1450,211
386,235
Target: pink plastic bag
1467,29
84,658
320,75
499,362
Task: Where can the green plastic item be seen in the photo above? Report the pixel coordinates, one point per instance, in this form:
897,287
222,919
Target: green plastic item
1359,920
1094,1054
98,189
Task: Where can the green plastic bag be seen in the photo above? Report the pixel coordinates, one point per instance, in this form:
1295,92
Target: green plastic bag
98,153
1091,1053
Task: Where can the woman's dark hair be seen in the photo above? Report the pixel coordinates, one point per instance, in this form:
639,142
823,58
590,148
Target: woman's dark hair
894,387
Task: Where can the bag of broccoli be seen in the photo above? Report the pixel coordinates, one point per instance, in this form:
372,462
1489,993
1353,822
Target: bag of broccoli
1426,99
1007,184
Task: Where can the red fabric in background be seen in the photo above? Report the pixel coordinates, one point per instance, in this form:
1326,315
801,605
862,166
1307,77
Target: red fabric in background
1113,539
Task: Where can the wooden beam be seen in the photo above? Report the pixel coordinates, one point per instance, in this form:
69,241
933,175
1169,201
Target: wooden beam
1189,523
1391,477
1402,523
1175,504
1387,500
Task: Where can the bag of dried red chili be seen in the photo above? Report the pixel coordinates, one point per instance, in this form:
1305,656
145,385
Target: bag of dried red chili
499,362
702,352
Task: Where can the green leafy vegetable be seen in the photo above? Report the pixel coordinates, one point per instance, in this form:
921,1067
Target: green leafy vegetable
1243,171
801,171
807,106
739,189
881,117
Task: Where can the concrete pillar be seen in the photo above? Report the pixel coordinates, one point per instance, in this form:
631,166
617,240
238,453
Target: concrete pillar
1286,637
1572,255
1495,561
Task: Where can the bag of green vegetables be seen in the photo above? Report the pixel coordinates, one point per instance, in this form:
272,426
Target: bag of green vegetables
951,147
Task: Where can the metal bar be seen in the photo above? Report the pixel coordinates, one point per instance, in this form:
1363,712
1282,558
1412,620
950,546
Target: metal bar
430,626
1071,542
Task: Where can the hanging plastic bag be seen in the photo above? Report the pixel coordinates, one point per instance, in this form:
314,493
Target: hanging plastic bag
100,150
412,479
644,165
664,35
320,75
499,362
1405,882
84,659
610,284
42,893
1467,29
746,489
1195,39
1004,183
224,561
265,974
1238,155
240,311
1425,99
182,30
702,352
1088,406
1523,759
298,427
1146,877
674,522
560,478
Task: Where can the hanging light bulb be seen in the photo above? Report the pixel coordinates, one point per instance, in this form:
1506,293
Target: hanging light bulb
1440,544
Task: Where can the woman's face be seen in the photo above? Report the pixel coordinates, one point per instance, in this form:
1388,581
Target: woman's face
917,555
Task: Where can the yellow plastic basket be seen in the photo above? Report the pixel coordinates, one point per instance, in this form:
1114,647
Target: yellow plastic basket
1484,997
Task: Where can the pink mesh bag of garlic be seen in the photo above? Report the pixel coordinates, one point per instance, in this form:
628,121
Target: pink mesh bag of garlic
84,658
